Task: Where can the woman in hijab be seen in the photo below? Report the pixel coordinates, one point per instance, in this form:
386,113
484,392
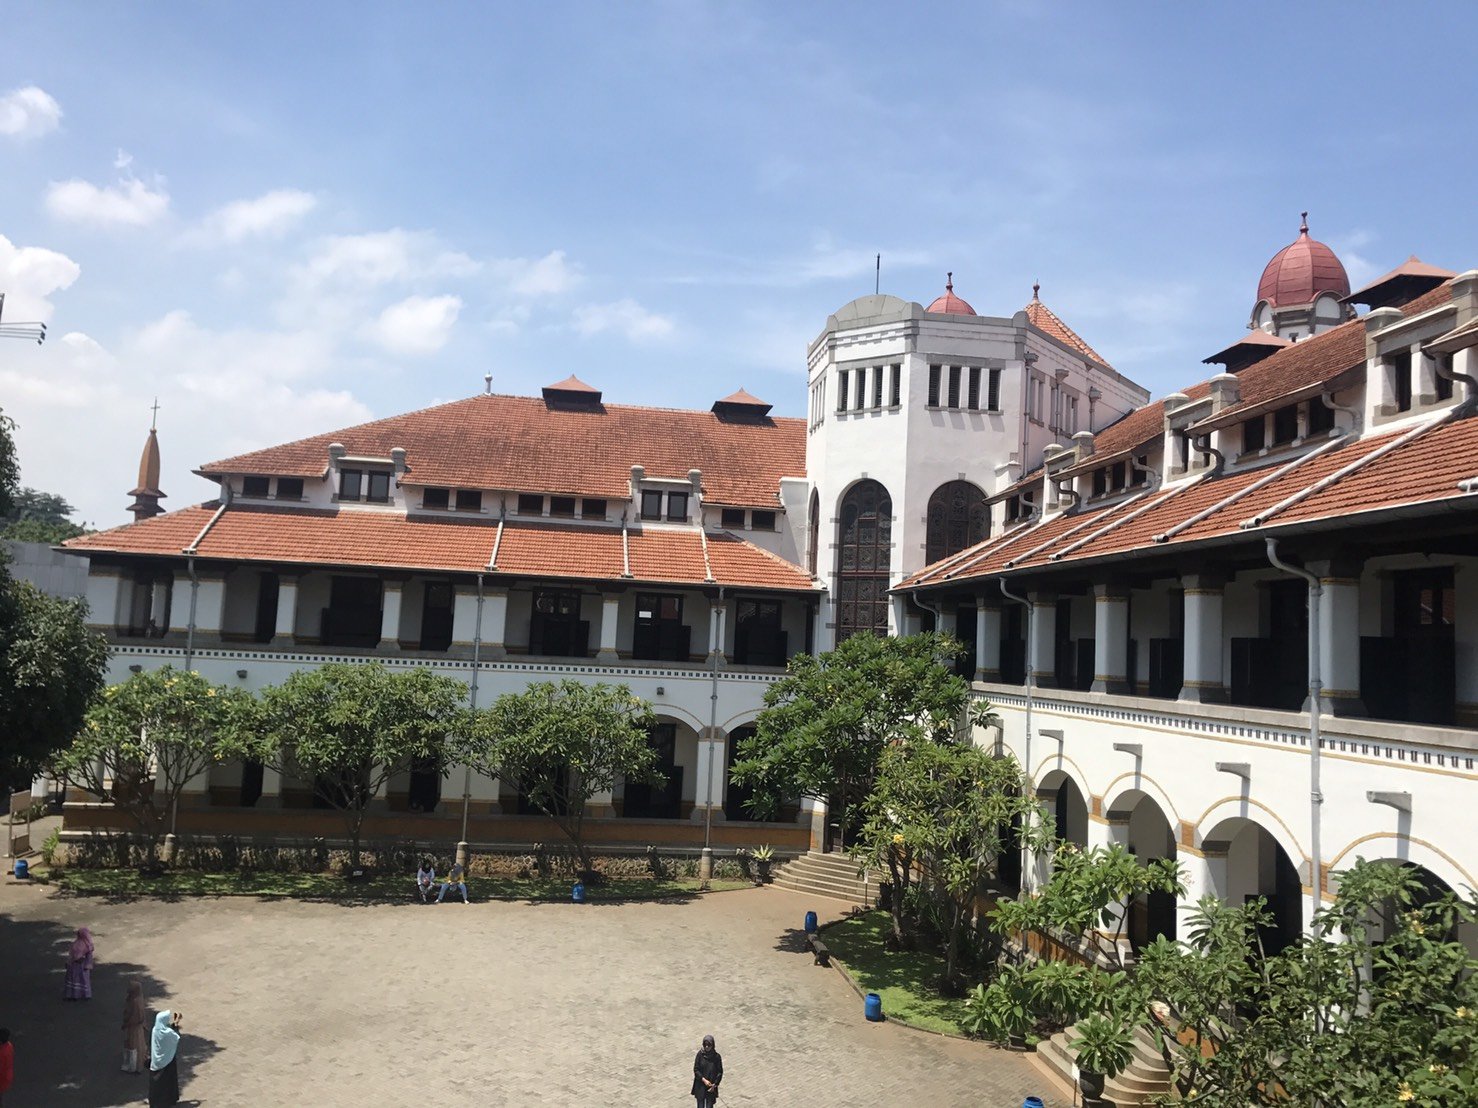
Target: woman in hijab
708,1071
164,1076
79,967
135,1029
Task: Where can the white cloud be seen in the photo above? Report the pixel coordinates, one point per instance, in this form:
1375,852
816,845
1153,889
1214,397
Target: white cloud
268,215
547,276
28,112
129,203
625,317
29,275
380,258
416,325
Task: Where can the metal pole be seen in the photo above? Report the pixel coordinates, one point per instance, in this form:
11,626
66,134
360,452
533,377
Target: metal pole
718,643
1026,768
472,700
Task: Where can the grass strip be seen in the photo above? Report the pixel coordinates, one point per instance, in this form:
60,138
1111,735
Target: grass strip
906,980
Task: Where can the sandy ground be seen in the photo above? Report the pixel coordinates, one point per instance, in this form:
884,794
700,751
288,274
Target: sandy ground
488,1004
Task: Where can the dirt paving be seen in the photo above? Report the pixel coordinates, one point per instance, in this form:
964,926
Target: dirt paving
290,1002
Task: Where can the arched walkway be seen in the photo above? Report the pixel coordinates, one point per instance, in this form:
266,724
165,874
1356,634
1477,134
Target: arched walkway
1246,862
1150,837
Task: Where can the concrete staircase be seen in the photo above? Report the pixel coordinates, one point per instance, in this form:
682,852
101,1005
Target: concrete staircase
1145,1077
830,875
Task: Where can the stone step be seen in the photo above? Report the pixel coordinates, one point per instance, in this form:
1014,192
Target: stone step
831,891
837,864
1145,1076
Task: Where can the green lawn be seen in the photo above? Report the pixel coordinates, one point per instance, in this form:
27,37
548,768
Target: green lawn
127,883
904,980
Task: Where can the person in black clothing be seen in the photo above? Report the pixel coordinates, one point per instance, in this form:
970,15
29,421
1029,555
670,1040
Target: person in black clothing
708,1071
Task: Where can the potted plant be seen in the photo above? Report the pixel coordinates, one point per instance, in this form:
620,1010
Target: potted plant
764,857
1105,1047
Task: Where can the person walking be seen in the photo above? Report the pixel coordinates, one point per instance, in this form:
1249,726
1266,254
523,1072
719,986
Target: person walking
135,1029
7,1063
425,878
708,1071
456,878
78,985
164,1074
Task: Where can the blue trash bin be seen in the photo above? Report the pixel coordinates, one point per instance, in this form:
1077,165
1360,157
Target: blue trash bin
1032,1102
22,869
872,1007
810,923
577,894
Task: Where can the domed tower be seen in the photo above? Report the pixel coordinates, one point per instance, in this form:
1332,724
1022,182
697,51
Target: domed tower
1301,290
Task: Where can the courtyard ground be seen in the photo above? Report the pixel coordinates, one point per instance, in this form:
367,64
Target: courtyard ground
291,1002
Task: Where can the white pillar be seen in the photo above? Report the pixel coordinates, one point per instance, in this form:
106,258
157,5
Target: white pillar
948,621
483,791
390,615
987,640
1339,637
601,805
104,586
1201,678
1110,639
159,596
285,630
271,789
1204,875
179,604
1042,661
610,612
494,623
708,786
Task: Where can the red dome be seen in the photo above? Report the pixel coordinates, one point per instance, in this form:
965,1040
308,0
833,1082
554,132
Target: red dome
1301,271
949,302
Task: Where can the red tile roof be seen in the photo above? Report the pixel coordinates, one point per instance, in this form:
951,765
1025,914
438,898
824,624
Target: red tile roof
521,443
1044,319
391,540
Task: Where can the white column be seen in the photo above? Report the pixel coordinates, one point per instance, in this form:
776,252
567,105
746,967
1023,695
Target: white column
179,604
1339,637
464,617
159,597
1110,639
601,805
708,786
987,640
390,615
1204,875
826,633
271,788
483,791
494,623
1201,678
285,630
610,611
716,632
104,586
948,621
1042,660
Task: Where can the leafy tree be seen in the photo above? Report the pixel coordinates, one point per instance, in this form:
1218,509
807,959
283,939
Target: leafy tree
350,727
10,467
827,722
39,517
147,738
38,530
560,744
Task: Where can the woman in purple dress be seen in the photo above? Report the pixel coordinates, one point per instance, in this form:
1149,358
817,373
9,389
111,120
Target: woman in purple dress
79,967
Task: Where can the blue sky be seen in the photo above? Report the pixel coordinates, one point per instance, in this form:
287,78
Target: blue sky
281,218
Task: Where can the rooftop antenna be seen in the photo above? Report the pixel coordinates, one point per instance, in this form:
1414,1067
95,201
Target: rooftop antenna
31,330
877,281
487,384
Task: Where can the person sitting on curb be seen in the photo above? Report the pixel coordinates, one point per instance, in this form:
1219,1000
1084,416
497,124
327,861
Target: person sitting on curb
425,878
456,878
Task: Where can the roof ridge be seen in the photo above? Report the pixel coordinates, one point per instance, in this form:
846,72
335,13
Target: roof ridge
1071,337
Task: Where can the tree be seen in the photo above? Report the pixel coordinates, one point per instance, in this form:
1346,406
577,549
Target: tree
560,744
51,671
39,517
827,722
10,469
947,808
144,740
351,727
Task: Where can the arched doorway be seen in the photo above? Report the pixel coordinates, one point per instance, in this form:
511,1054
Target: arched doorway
864,557
1150,838
957,519
1254,864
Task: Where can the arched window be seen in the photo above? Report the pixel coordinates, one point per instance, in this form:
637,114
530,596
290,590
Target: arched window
813,529
864,554
957,519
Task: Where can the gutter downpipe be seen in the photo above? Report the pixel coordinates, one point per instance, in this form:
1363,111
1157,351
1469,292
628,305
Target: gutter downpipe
1031,679
718,645
472,699
174,808
1316,682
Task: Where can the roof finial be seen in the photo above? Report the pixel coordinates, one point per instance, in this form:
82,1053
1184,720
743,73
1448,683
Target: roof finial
1303,227
154,419
1036,288
949,281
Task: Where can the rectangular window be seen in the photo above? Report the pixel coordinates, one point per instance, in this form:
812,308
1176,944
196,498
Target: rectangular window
733,517
896,393
351,482
378,487
659,634
677,507
1443,384
469,500
877,386
1401,380
861,399
436,498
289,488
651,505
954,386
1140,474
993,398
530,504
1285,424
1013,508
255,486
973,401
1321,417
562,506
1117,475
1072,415
1100,481
934,375
1056,423
1253,437
591,508
762,521
841,390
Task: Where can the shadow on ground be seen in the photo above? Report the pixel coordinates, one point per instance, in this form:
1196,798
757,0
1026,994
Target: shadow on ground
68,1053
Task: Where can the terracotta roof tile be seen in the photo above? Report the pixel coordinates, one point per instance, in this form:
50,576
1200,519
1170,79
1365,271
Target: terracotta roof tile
521,443
1044,319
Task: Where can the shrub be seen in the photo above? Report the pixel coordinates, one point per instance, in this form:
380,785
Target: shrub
49,845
